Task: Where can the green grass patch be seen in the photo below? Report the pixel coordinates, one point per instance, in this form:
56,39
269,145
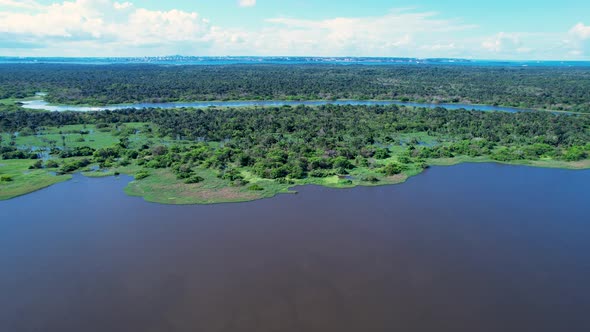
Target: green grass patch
24,180
545,163
162,186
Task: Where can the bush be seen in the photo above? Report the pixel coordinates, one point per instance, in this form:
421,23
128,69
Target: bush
74,165
83,151
392,169
381,154
141,175
231,175
37,165
404,159
6,178
19,155
51,164
239,183
370,178
194,179
575,153
320,173
255,187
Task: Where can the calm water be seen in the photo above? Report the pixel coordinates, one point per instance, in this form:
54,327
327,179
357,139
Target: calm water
475,247
43,105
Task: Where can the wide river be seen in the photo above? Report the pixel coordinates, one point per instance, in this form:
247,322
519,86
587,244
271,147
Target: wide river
43,105
473,247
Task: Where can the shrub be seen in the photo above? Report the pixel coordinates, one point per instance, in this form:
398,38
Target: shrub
255,187
6,178
37,165
320,173
575,153
194,179
404,159
74,165
370,178
392,169
141,175
239,183
381,154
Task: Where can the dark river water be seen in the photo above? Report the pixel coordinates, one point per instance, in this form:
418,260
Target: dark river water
474,247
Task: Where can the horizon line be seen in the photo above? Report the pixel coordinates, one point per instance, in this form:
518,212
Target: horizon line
291,56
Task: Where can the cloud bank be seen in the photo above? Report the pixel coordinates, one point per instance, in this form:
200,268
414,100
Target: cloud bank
120,28
247,3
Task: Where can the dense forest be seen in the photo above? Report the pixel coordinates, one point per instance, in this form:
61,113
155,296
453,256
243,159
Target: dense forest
556,88
298,142
233,154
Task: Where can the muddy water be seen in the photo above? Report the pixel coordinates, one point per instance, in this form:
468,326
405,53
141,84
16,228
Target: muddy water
474,247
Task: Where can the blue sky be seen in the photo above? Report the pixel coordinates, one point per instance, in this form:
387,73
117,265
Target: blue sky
493,30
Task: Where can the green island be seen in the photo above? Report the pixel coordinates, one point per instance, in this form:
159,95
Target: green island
215,155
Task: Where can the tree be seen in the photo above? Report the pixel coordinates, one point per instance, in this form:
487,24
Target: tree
392,169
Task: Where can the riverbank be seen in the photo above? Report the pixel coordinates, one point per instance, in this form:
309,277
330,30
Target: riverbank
16,179
161,186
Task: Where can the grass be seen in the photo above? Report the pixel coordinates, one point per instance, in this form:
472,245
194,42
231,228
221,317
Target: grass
8,101
25,181
545,163
163,187
52,137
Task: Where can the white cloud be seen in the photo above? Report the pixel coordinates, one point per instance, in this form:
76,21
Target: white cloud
20,4
121,28
123,5
581,31
502,41
108,24
578,40
395,33
247,3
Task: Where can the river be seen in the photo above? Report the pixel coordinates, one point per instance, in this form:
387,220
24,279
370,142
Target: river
473,247
39,104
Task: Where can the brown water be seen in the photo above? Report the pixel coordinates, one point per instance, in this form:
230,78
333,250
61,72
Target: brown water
474,247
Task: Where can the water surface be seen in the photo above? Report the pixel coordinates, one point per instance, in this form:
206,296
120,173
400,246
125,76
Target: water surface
474,247
39,104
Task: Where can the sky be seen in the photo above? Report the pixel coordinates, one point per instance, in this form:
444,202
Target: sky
500,29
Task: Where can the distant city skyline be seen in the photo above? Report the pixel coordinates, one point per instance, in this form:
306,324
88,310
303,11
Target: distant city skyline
532,30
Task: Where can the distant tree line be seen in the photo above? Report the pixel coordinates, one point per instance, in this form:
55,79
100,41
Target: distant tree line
559,88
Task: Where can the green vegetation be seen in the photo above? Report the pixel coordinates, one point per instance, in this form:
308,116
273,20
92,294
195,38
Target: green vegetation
214,155
193,156
553,88
16,178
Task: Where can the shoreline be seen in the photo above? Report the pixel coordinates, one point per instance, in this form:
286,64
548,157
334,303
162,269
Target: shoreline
134,188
